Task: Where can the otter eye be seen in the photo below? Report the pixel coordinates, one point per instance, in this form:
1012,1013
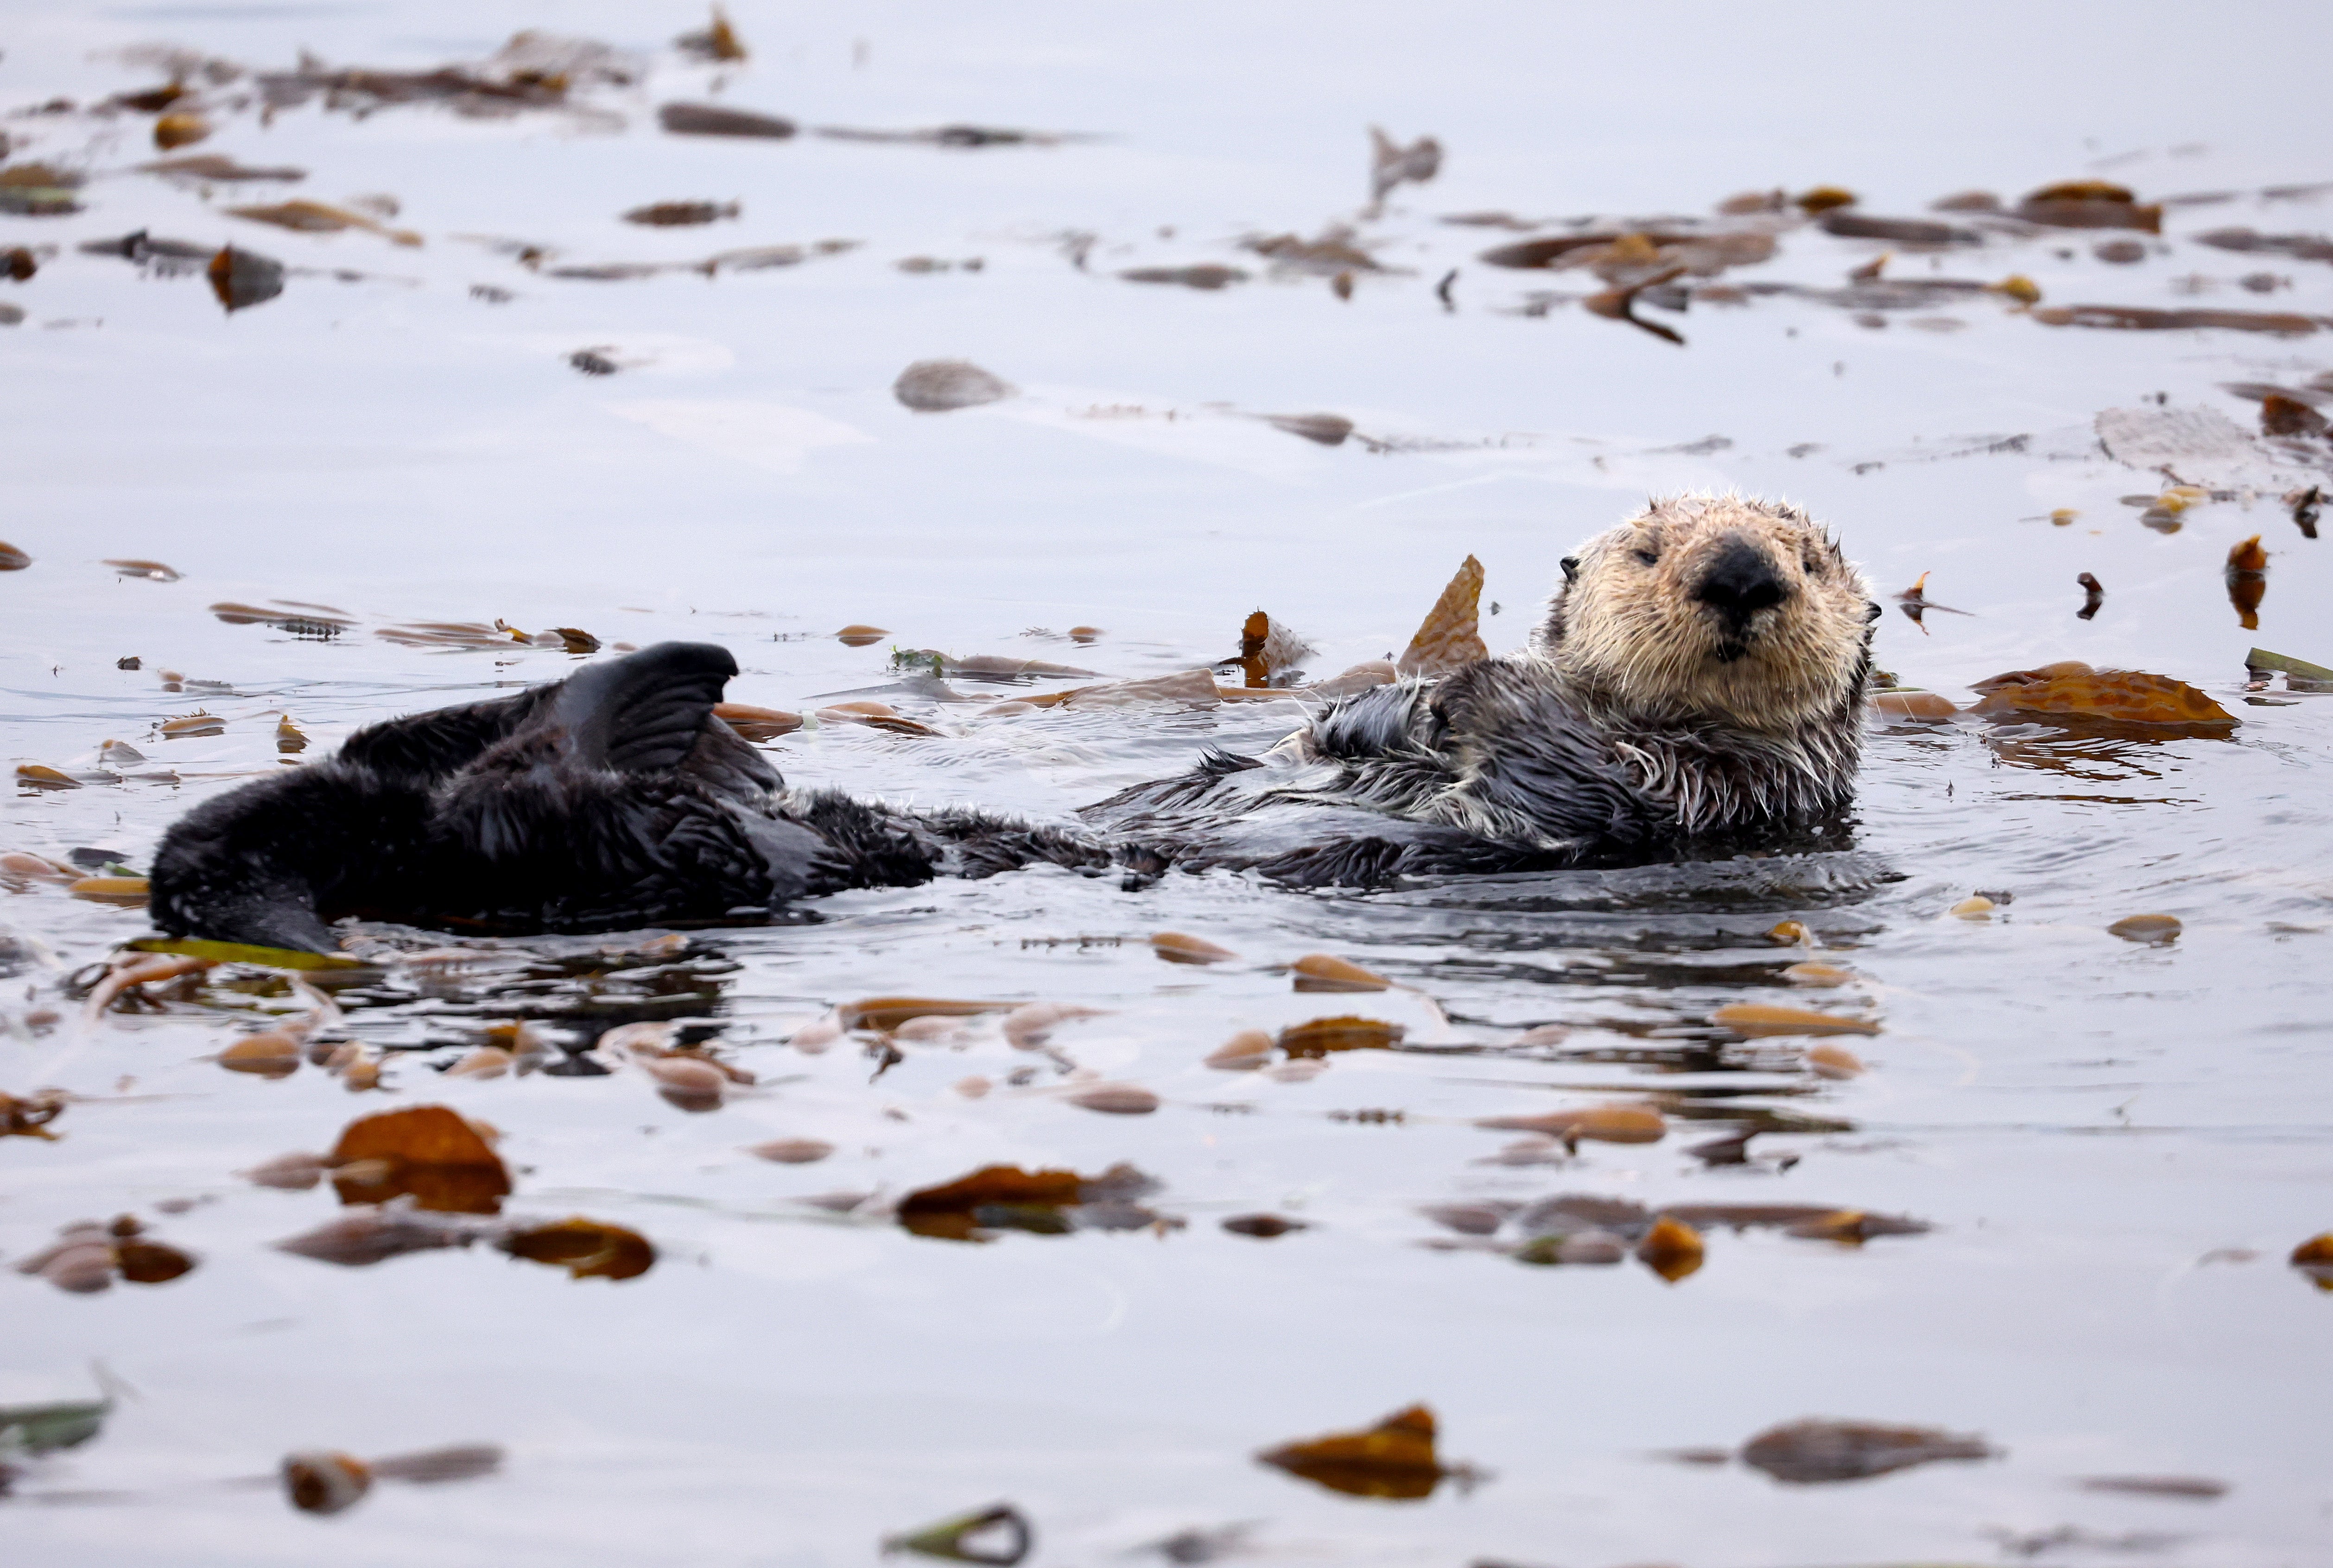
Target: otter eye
1813,564
1650,557
1872,612
1571,569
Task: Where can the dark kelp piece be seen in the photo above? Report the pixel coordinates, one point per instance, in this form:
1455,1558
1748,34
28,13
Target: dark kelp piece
2300,247
2148,318
586,1248
1913,231
1393,1460
241,279
1808,1452
709,119
1043,1202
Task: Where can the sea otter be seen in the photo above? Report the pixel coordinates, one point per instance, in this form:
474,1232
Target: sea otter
1697,684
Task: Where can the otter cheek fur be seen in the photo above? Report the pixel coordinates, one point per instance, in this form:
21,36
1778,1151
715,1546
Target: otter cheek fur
1715,609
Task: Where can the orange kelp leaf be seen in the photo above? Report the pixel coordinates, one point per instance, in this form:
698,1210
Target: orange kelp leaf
1177,947
1823,198
1247,1049
12,559
176,130
1914,704
151,570
1450,635
1820,974
2247,576
288,737
1116,1099
201,721
1254,632
41,776
270,1054
127,891
757,724
428,1151
1834,1061
1759,1019
1393,1460
1321,972
586,1248
2314,1258
860,636
16,866
890,1012
29,1116
2146,928
1593,1123
1029,1025
1811,1451
1006,1197
1320,1036
1670,1249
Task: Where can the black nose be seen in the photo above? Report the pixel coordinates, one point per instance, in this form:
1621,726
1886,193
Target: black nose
1740,581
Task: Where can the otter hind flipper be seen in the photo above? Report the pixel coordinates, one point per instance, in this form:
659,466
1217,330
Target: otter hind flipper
641,713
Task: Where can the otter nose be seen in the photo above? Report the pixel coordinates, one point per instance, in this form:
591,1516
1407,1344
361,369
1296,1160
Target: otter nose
1739,581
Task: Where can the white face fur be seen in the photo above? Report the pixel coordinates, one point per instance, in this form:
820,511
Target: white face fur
1713,607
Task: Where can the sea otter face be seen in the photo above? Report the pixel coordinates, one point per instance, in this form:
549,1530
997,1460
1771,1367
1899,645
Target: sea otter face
1717,607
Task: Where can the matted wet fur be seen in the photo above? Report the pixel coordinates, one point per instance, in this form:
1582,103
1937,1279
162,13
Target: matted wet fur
1697,684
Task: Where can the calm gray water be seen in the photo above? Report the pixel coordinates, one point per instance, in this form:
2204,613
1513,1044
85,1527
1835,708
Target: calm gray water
2117,1145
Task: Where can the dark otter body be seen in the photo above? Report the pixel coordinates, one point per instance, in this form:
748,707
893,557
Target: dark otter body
1697,688
610,801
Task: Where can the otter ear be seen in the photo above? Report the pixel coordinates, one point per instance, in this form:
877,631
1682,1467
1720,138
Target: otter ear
1570,568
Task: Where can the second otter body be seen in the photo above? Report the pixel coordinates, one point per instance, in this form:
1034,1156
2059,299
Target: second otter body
1697,685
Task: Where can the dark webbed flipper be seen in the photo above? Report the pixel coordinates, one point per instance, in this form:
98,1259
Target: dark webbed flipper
622,800
642,714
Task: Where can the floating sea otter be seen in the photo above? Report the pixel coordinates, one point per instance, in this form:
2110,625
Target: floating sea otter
1697,685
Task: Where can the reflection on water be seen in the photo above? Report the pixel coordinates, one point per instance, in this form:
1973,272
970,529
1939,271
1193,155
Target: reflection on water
2037,1223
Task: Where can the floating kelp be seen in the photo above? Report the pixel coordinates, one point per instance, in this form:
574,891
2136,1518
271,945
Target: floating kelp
1044,1202
711,119
1395,1459
937,385
2150,319
1207,275
309,217
2074,690
534,70
215,168
1811,1452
